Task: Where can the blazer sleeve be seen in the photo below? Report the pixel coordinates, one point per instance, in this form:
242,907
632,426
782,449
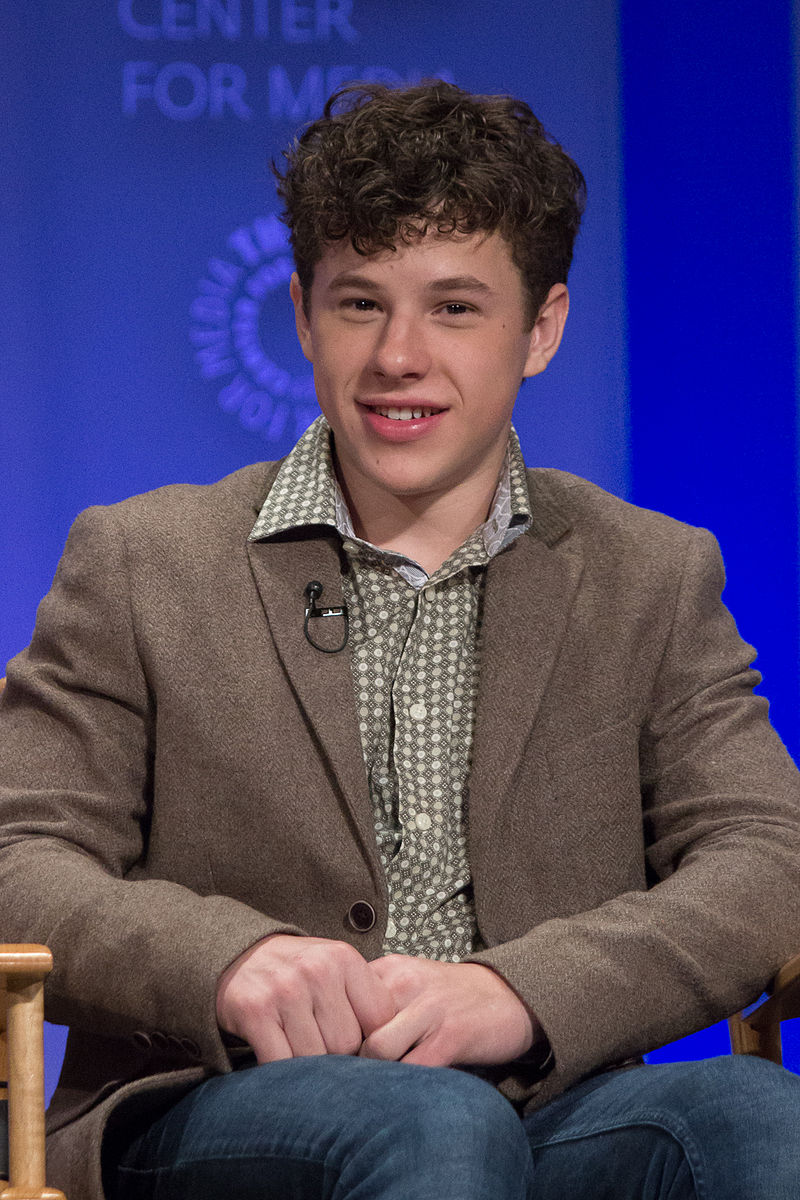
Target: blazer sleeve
721,816
76,765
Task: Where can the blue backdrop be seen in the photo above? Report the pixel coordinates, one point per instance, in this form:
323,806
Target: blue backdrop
145,332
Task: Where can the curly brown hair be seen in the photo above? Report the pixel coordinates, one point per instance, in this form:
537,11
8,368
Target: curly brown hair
384,165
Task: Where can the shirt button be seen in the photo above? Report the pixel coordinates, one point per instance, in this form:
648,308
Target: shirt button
418,711
422,821
391,928
361,916
429,593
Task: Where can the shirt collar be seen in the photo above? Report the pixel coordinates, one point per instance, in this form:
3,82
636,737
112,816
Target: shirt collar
305,487
306,492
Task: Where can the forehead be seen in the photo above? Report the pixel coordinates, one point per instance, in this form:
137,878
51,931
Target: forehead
424,262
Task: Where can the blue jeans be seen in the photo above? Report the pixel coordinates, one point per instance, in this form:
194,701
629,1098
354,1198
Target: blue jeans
339,1128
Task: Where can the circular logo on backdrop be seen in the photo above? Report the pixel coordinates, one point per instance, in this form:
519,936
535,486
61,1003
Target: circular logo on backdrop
244,338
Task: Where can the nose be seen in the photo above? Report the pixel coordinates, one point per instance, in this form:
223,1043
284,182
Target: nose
401,350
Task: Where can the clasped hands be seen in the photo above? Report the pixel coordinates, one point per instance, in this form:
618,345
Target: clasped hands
291,996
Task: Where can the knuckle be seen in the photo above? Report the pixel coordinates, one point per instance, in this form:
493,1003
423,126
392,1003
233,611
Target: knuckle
314,970
329,961
246,999
374,1046
345,1043
280,989
402,981
346,956
250,1007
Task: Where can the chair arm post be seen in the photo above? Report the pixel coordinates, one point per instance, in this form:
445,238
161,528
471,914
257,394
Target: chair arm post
763,1043
757,1030
25,968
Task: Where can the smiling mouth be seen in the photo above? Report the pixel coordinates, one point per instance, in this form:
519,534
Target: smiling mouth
404,414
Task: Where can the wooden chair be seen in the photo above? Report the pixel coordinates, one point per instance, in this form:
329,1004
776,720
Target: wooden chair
22,972
757,1029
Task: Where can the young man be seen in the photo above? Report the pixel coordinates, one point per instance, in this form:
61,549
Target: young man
395,758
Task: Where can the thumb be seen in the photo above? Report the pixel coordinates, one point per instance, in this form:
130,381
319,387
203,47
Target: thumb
372,1003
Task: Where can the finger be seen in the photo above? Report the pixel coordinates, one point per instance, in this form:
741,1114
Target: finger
338,1023
385,971
302,1032
393,1041
404,976
430,1052
370,999
269,1043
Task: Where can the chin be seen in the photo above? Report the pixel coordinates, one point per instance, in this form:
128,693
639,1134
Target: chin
406,485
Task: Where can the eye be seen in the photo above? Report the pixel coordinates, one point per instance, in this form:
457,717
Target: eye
455,308
359,304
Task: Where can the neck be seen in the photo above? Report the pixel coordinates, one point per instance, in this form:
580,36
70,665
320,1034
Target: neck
425,528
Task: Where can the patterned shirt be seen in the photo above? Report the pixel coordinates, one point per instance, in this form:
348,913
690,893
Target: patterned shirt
415,645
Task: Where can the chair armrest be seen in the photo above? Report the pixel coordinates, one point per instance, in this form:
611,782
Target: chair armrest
24,959
756,1029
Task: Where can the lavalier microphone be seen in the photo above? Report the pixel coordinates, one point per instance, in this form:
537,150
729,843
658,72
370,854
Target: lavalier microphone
313,591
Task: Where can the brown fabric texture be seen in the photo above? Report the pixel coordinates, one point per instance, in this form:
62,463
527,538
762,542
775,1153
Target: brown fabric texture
181,774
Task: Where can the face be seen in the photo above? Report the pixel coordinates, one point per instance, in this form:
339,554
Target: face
418,355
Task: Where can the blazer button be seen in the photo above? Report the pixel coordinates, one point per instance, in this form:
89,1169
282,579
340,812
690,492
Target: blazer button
160,1041
142,1039
361,916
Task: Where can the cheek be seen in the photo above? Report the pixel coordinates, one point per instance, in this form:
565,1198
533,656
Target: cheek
489,386
337,365
498,359
335,388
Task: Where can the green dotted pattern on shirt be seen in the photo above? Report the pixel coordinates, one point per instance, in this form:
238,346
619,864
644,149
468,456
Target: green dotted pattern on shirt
415,649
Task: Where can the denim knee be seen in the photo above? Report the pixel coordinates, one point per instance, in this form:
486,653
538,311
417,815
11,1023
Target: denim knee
337,1129
438,1105
447,1132
735,1120
741,1097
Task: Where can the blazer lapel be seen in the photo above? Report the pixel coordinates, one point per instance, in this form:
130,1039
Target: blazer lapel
530,590
282,567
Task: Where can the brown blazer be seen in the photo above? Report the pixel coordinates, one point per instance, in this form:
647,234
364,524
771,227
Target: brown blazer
181,774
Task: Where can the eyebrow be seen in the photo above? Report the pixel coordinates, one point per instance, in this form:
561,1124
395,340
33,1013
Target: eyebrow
351,279
454,283
460,283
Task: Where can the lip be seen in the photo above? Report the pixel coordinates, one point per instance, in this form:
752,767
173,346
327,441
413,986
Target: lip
399,431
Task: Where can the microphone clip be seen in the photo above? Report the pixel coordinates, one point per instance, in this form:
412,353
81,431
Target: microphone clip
313,591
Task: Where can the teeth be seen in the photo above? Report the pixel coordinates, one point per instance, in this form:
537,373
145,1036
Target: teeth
405,414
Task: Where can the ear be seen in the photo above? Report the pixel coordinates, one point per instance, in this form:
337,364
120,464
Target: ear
300,318
545,337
